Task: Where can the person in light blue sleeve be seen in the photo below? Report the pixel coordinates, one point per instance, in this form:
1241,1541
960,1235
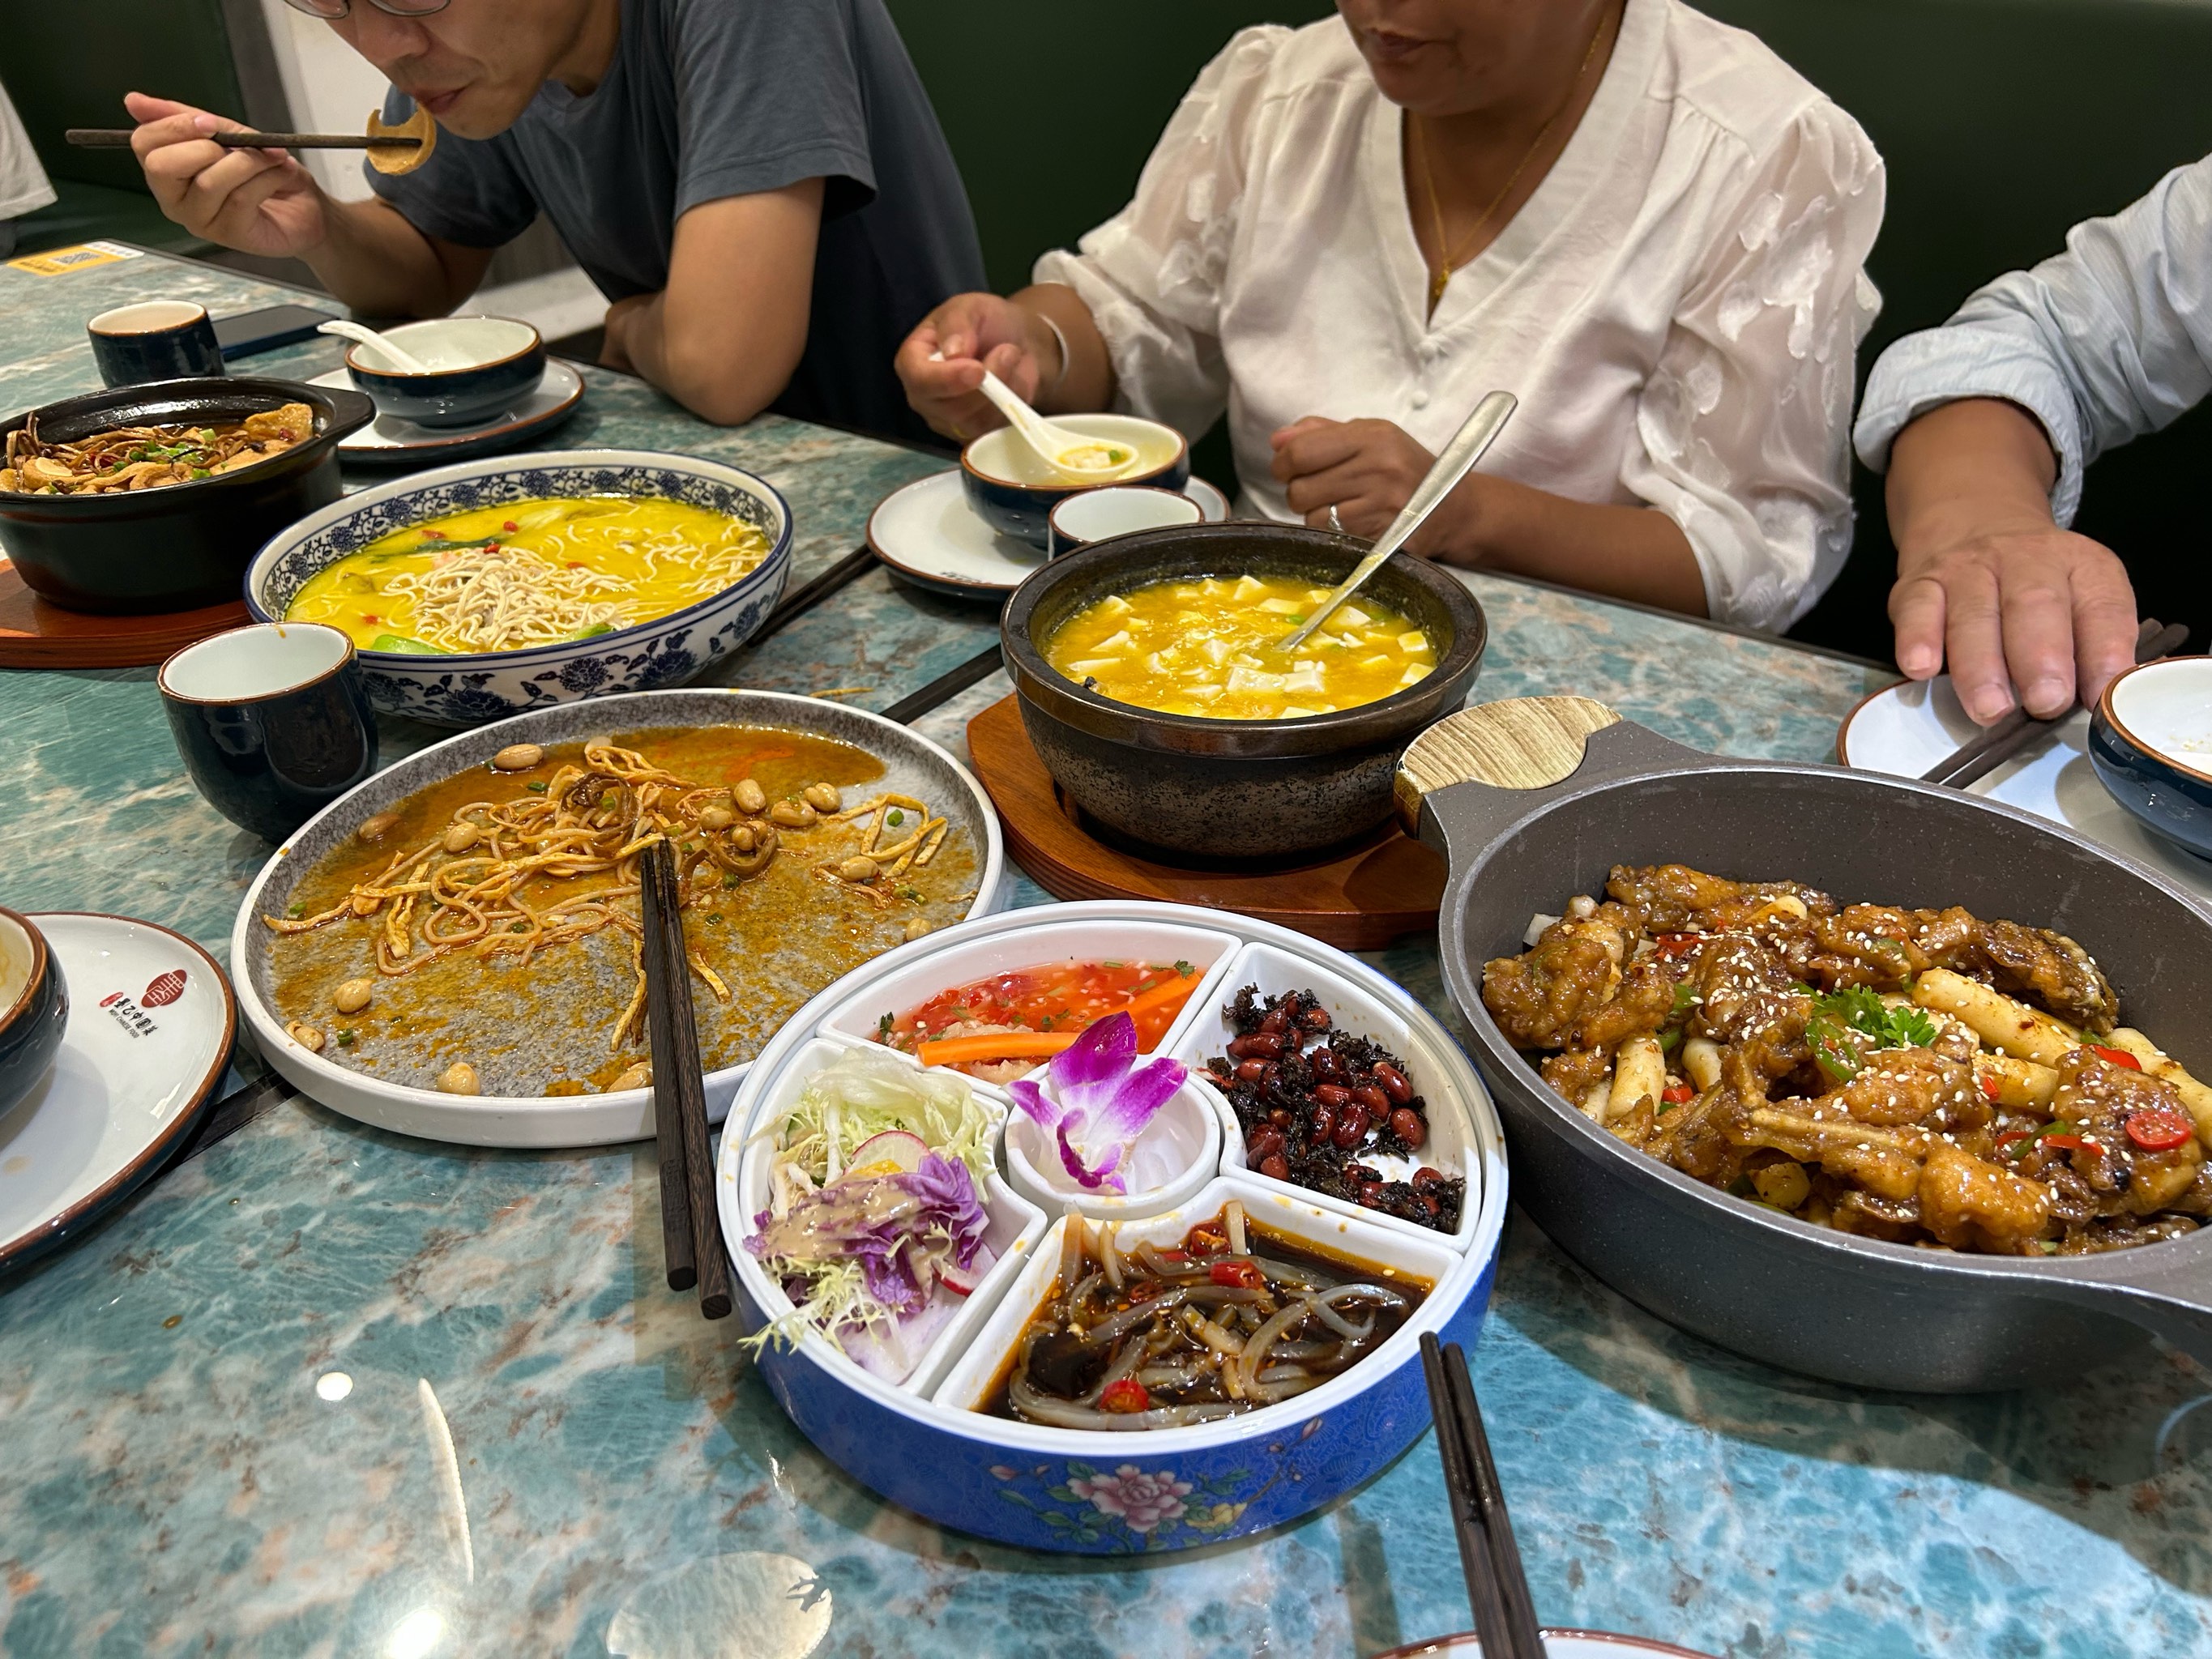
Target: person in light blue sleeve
1985,425
759,187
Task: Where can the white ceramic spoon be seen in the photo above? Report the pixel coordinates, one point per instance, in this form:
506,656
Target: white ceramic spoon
1075,453
402,359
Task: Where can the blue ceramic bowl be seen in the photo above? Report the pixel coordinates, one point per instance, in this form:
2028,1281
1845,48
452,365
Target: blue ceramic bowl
1015,492
470,690
2150,741
33,1008
481,367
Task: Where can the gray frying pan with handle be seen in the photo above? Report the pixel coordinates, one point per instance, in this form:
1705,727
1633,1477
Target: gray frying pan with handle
1534,801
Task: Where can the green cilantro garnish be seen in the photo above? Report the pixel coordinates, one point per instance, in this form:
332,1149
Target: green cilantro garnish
883,1029
1857,1009
1183,969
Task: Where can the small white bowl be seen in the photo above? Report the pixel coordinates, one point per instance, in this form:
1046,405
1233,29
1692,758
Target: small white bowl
1178,1153
1099,515
478,367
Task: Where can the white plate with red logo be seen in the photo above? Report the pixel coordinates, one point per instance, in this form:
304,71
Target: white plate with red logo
151,1019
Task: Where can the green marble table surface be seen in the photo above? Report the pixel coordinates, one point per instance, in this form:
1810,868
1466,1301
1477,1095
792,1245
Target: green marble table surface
176,1482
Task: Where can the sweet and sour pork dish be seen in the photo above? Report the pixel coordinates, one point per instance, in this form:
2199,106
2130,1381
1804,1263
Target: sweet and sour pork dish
1924,1077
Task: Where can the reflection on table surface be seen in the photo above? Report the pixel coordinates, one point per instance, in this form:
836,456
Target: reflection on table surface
325,1390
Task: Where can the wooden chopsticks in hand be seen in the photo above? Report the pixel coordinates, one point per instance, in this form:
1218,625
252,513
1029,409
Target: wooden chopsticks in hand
1497,1590
690,1231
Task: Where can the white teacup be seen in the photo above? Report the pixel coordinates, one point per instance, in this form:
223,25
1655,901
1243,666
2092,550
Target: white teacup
1096,515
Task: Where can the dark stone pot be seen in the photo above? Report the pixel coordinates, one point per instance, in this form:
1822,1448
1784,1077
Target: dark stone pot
184,545
1219,789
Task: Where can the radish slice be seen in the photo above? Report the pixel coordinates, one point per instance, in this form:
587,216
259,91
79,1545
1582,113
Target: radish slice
894,1147
963,1281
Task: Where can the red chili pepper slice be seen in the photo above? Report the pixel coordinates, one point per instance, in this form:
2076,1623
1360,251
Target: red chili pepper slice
1675,945
2071,1143
2119,1057
1989,1087
2159,1128
1678,1094
1238,1275
1127,1395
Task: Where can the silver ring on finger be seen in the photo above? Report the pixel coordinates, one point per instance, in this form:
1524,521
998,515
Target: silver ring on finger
1336,523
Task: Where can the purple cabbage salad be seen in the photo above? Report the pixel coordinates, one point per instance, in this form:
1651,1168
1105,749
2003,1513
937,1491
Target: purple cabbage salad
1100,1101
876,1225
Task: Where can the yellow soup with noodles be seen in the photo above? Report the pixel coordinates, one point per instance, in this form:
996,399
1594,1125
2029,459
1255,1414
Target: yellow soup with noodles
530,574
1212,647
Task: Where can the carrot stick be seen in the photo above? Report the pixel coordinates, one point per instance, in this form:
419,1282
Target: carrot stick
995,1045
1172,992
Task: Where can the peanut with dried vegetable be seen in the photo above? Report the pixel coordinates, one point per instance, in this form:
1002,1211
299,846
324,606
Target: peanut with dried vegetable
637,1077
461,837
860,867
717,817
377,827
353,996
823,797
307,1037
741,838
517,758
458,1078
919,926
751,797
791,814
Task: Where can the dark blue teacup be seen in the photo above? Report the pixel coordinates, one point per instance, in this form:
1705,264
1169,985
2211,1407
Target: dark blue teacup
154,340
272,720
33,1008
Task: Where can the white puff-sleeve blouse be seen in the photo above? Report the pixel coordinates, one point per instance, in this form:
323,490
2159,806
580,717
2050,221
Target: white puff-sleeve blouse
1677,307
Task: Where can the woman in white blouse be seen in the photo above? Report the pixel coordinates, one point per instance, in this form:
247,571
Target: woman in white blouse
1640,221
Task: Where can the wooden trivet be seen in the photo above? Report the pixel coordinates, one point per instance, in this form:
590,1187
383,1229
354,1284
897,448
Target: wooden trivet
36,634
1360,899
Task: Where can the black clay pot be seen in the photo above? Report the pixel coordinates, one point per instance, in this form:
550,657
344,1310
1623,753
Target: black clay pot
184,545
1232,789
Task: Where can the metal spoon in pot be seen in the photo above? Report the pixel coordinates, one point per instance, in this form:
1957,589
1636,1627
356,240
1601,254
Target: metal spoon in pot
401,359
1457,460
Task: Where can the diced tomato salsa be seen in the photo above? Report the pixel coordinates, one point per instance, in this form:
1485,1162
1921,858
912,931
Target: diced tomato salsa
1056,997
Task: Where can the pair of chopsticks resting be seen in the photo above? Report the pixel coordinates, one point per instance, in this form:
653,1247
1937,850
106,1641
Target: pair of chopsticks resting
1504,1613
1984,754
119,138
690,1232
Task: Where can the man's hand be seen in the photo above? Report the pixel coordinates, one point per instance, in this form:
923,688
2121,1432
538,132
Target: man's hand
258,201
1985,576
942,362
2036,607
1367,470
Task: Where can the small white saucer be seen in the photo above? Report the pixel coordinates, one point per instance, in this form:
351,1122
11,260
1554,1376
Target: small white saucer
150,1023
387,441
928,532
1906,729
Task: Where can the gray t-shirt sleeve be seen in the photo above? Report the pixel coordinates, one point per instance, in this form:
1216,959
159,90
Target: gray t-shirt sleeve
767,94
466,193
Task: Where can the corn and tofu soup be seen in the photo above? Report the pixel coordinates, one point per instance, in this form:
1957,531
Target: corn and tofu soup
1211,647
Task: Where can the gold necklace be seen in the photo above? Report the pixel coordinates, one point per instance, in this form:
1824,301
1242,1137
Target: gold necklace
1448,261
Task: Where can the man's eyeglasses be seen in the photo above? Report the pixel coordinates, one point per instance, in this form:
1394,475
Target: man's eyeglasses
332,10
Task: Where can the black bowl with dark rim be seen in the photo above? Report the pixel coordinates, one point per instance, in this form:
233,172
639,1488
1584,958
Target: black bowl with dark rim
1225,789
183,545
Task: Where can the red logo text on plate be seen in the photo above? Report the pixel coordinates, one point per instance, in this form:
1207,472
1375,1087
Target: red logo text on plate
165,990
111,998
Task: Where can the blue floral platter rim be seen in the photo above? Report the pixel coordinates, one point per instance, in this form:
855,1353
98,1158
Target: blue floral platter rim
355,521
1107,1493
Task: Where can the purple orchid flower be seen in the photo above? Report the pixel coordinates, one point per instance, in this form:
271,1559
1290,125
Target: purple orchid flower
1101,1099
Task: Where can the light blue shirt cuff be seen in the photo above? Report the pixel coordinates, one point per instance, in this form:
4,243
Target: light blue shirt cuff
1943,365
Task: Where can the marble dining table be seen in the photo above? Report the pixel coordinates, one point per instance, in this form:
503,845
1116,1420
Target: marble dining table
221,1408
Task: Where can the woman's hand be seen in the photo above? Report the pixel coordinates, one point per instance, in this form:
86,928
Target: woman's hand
942,362
1367,470
258,201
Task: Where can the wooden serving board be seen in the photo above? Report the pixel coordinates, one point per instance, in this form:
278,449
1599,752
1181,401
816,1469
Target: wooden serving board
36,634
1360,899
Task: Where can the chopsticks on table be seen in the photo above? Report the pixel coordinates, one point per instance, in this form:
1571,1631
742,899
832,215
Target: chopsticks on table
119,138
690,1233
1504,1612
1984,753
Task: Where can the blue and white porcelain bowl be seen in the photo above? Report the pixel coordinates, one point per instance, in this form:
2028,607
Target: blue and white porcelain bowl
490,685
1144,1493
2150,742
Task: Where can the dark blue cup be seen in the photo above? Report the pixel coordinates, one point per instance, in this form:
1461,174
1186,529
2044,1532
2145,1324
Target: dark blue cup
273,722
33,1008
154,340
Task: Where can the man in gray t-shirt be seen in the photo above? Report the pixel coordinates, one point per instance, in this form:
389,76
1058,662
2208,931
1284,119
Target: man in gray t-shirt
760,187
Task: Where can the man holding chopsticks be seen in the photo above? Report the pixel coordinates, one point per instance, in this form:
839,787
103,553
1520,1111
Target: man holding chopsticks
762,189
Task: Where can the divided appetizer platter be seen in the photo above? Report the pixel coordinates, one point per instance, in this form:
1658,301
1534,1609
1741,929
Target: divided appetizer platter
450,951
1241,1347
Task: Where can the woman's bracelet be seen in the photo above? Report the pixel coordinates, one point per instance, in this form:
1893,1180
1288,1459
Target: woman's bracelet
1062,340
